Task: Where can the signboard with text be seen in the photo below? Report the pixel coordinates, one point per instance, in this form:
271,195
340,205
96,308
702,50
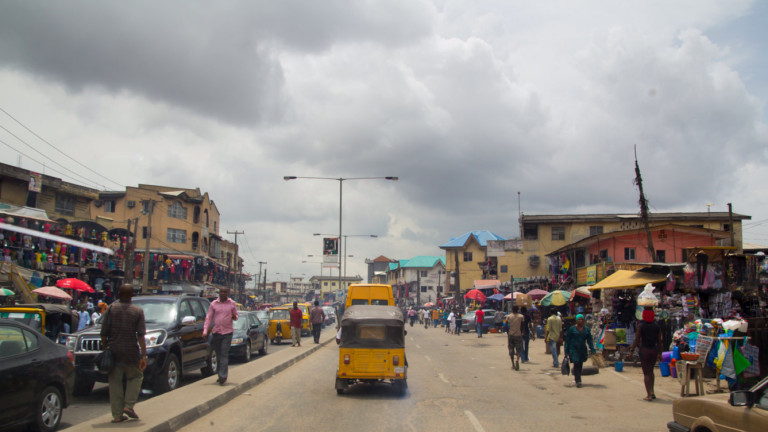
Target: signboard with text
331,250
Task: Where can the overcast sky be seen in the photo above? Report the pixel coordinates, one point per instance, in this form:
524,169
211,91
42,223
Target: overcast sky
467,102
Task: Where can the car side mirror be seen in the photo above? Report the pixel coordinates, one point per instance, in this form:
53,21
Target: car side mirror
253,326
188,320
741,398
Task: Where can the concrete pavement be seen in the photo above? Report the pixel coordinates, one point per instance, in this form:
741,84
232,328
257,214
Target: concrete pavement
173,410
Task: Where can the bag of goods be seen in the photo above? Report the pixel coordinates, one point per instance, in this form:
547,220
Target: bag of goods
647,298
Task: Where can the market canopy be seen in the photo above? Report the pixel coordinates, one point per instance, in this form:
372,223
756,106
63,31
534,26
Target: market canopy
627,279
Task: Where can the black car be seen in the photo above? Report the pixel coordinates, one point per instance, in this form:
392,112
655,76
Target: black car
175,344
249,335
36,377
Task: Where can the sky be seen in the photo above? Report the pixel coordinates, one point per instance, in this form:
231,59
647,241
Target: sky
482,109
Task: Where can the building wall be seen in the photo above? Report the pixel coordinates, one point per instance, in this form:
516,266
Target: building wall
469,271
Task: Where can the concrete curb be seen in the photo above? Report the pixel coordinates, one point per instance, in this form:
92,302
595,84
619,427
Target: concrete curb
205,408
168,412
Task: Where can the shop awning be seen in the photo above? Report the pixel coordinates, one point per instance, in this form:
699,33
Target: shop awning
181,257
627,279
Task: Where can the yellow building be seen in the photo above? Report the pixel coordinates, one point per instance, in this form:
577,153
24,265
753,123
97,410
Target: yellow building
466,257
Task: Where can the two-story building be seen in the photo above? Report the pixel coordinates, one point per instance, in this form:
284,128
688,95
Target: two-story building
418,280
467,260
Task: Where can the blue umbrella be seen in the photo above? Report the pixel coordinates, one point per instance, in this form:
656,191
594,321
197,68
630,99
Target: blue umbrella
498,297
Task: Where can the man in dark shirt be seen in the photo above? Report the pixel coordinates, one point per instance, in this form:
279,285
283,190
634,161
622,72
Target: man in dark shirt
296,316
125,336
316,318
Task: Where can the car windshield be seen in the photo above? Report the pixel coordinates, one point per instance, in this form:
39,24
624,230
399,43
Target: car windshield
158,312
31,319
241,323
262,315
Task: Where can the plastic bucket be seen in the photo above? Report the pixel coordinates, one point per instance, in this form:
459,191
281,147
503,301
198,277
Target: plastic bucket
664,367
618,365
666,356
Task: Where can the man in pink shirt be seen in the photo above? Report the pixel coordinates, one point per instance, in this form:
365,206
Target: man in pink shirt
222,311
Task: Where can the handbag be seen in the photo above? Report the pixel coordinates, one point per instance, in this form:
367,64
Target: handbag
104,360
565,367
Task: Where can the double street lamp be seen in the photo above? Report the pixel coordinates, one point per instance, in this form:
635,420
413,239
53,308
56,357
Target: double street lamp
341,181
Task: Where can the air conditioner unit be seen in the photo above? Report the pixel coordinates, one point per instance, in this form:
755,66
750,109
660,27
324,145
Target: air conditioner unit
97,203
131,204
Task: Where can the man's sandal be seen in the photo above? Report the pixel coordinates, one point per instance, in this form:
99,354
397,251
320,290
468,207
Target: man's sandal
120,419
131,413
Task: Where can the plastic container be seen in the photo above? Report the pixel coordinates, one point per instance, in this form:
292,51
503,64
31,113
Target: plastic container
666,356
618,365
673,369
675,353
664,367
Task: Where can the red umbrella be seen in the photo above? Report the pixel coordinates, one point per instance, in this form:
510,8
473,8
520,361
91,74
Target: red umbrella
537,294
475,294
75,284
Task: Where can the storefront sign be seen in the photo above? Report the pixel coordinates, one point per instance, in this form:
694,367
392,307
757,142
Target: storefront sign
35,182
591,275
67,269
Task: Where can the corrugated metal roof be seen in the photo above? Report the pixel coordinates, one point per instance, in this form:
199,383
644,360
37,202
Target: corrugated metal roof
677,216
422,261
393,266
482,236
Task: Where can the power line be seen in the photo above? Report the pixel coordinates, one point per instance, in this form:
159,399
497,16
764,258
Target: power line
55,148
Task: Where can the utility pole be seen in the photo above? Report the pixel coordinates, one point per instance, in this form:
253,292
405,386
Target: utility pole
129,260
258,282
730,226
149,208
236,263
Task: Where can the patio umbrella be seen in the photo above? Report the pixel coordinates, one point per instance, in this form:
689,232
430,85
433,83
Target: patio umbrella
537,293
582,292
75,284
475,294
428,304
497,297
556,298
52,291
508,296
6,292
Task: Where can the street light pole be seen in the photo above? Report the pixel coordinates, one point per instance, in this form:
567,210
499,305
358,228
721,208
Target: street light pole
341,182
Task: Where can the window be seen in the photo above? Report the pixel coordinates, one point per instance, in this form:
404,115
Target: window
423,273
325,283
467,256
558,233
531,232
65,204
13,342
726,227
595,230
196,215
629,253
176,210
604,254
184,310
143,232
423,289
176,236
503,269
439,289
109,206
661,256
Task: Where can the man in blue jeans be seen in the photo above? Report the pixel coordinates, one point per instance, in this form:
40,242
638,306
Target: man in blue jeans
479,317
554,336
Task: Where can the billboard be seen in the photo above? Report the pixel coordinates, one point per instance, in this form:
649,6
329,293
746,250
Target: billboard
496,248
35,182
331,250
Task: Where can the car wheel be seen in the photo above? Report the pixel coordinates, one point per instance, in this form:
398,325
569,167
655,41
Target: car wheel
278,340
83,386
263,350
49,408
211,365
170,376
247,355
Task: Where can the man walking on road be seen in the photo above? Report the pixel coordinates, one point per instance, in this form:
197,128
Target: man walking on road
124,335
515,337
316,317
296,324
479,317
554,336
221,313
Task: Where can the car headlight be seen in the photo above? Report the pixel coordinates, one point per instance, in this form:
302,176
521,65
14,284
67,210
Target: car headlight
70,343
154,338
237,341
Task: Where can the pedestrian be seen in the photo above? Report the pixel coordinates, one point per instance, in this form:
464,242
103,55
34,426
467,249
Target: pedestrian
553,335
221,313
124,336
515,336
316,317
296,315
100,308
528,333
446,313
577,338
452,322
649,339
83,316
435,317
412,315
479,317
458,321
498,320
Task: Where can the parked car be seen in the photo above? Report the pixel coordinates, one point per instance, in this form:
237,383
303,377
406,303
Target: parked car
250,334
36,377
330,315
175,344
744,410
468,320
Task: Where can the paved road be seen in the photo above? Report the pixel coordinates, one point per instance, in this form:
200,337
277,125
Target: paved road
457,383
96,403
